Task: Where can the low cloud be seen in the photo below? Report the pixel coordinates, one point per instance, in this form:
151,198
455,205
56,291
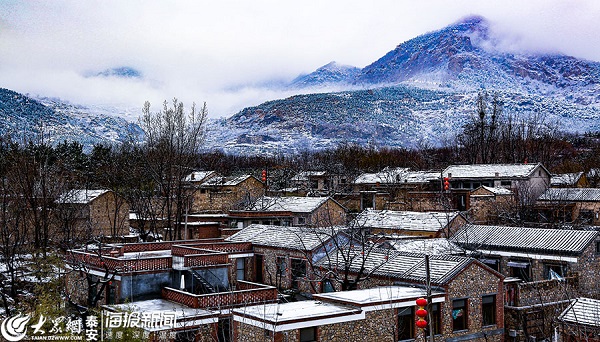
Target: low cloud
224,52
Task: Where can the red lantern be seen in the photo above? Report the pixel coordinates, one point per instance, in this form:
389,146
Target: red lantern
421,313
264,175
446,183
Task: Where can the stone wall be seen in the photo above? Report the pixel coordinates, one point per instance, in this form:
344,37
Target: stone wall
284,281
328,214
109,215
471,284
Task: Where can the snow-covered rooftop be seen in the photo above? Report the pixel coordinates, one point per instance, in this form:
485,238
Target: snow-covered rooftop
405,220
571,195
566,179
378,295
490,170
584,311
294,315
81,196
300,238
439,246
225,181
198,176
398,175
496,191
285,203
306,175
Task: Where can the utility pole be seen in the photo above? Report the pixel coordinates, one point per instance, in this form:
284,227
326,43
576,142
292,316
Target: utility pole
429,304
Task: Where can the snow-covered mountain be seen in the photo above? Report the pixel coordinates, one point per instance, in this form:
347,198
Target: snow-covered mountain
421,91
56,121
329,74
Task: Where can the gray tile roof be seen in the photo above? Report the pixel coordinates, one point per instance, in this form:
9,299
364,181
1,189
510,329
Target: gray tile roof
571,195
398,175
490,170
398,265
531,240
293,204
298,238
405,220
584,311
565,179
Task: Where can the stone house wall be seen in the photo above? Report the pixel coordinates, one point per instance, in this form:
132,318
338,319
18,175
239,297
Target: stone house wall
109,215
471,284
485,209
329,213
270,273
222,198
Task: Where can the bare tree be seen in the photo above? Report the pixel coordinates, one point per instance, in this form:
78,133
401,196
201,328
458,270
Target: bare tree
170,151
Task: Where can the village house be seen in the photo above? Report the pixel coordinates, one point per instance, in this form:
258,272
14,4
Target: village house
290,211
569,180
526,181
579,206
490,205
217,194
397,189
86,213
377,314
284,256
200,279
470,305
545,268
319,183
580,321
392,223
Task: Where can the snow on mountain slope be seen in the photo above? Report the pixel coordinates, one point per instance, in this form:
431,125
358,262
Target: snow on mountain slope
422,91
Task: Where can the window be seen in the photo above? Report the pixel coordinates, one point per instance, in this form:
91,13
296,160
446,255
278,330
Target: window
327,286
554,271
597,247
281,266
240,269
436,320
301,220
493,263
308,334
488,310
505,183
406,323
298,271
459,314
520,269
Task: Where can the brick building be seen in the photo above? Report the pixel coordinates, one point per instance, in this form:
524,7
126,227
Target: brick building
545,268
471,304
290,211
489,205
284,256
86,213
410,223
526,181
396,189
217,194
570,205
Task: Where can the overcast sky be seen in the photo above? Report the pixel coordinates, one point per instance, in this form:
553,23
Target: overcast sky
221,51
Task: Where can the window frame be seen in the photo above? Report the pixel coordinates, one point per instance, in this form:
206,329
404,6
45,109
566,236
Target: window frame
464,316
406,320
492,306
